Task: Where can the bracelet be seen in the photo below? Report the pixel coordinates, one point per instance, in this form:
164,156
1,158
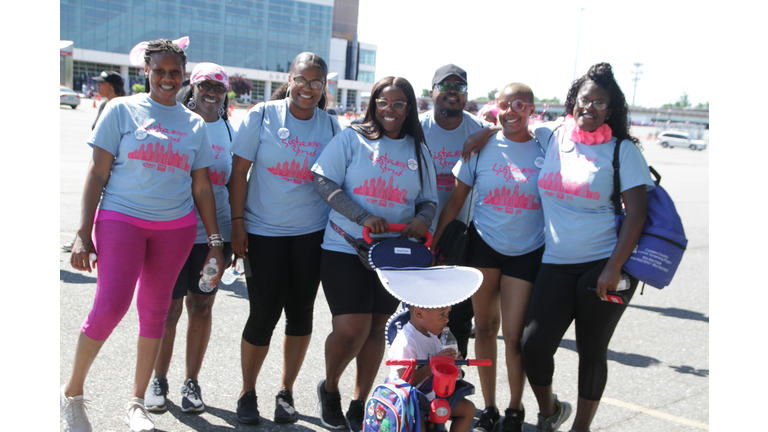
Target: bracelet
215,243
239,217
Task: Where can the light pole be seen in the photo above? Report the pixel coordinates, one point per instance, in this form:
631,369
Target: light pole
636,73
578,37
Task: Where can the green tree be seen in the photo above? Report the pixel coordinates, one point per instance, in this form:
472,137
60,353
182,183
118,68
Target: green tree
425,93
554,99
492,94
138,88
703,105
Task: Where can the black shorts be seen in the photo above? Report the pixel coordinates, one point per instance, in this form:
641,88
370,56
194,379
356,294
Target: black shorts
189,276
351,288
285,275
481,255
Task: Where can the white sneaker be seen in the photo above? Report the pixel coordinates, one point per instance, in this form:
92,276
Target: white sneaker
73,413
137,417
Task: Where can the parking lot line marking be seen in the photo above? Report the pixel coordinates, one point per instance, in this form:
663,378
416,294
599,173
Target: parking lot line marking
659,414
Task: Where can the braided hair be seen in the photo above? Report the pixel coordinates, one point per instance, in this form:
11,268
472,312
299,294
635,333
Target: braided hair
602,75
164,45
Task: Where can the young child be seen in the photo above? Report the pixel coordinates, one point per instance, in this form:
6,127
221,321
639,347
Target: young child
418,340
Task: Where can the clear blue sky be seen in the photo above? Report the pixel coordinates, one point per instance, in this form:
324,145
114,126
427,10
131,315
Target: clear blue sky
535,42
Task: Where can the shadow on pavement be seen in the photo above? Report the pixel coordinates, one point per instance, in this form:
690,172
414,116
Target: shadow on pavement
691,370
76,277
200,423
675,313
628,359
238,289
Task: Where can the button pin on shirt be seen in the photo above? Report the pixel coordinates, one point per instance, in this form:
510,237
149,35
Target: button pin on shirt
140,133
283,133
413,165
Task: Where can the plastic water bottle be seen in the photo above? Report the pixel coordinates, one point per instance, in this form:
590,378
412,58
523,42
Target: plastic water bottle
209,272
231,274
448,340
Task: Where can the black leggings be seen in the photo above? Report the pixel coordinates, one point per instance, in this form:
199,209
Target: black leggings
560,296
285,275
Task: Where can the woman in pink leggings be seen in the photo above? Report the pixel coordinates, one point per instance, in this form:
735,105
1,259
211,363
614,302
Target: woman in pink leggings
148,171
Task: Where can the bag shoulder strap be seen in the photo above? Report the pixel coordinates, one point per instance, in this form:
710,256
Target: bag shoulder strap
616,197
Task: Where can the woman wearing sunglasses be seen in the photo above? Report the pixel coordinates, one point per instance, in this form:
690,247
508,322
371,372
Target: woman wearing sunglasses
277,224
506,243
584,249
377,172
207,97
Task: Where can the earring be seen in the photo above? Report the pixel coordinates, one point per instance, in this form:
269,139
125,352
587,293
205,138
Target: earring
222,111
191,104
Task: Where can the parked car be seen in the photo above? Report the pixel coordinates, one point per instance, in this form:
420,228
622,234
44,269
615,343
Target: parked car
679,139
67,96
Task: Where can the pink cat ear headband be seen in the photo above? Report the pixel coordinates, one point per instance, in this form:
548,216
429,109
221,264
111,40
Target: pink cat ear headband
136,56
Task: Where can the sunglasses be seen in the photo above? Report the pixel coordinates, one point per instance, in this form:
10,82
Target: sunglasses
599,105
446,86
218,88
397,105
517,105
314,84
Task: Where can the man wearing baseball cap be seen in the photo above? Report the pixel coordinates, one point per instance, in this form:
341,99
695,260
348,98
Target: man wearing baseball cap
445,128
110,86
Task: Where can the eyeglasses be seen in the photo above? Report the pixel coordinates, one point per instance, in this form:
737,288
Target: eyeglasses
517,105
218,88
397,105
446,86
314,84
599,105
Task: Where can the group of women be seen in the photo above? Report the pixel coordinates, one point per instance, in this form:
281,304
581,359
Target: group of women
310,180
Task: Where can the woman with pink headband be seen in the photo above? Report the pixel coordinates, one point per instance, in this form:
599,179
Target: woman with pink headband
207,97
148,172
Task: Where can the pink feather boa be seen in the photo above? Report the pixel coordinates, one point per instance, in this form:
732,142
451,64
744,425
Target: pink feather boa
600,135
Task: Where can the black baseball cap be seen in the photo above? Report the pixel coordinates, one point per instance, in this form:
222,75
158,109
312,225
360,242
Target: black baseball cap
448,70
111,77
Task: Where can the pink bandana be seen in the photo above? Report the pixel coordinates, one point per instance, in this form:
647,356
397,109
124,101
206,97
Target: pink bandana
600,135
209,72
136,56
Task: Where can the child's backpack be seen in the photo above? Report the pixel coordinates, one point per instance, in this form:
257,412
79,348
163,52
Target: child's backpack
393,407
660,249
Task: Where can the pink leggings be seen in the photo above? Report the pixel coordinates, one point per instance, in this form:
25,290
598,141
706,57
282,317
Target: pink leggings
128,254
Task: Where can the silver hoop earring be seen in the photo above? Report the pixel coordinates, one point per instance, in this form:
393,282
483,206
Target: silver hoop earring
191,104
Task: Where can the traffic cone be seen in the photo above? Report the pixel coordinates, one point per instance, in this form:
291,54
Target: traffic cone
94,103
649,137
99,97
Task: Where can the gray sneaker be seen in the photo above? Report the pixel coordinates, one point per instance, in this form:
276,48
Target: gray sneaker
73,413
550,424
191,397
156,398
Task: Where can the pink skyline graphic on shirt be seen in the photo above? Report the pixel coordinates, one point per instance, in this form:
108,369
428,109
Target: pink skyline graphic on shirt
384,192
157,153
293,172
218,178
554,182
445,182
511,199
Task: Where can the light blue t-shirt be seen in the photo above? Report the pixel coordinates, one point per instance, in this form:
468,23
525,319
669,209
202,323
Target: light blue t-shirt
219,174
156,147
446,146
382,176
507,210
281,198
576,184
